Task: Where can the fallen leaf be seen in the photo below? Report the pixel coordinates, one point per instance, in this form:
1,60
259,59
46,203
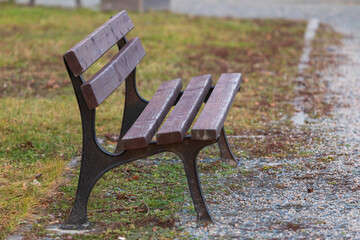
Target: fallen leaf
136,177
29,144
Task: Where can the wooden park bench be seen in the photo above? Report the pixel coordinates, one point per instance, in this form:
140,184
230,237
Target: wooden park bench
141,118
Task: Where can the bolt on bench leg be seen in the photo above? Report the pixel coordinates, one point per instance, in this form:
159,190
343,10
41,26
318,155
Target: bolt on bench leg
189,160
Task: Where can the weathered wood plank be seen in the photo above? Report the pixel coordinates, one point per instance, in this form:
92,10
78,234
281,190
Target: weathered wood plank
86,52
212,118
175,127
144,128
110,77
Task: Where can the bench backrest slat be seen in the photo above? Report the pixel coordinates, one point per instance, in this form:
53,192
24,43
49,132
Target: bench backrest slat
90,49
113,74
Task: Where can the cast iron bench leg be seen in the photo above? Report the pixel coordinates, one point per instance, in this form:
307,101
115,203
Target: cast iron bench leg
225,149
91,170
188,156
94,164
78,216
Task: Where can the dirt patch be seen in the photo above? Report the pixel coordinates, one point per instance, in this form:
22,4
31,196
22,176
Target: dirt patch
246,59
153,221
35,80
11,30
280,143
291,226
316,92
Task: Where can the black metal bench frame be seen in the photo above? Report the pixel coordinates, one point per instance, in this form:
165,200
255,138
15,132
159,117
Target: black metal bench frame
96,161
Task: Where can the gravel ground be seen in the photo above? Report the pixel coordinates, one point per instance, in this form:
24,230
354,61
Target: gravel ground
298,198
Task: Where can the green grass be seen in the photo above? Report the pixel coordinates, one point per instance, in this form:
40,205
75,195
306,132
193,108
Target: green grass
40,125
141,197
33,141
132,198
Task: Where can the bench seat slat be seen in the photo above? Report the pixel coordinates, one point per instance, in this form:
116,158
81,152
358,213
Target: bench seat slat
110,77
212,118
145,127
176,125
90,49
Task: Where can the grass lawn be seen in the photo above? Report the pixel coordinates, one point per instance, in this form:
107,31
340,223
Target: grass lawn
40,128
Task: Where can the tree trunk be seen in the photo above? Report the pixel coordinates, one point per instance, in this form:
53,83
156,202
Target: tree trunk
32,3
78,3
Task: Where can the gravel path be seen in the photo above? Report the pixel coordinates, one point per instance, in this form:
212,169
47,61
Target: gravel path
290,201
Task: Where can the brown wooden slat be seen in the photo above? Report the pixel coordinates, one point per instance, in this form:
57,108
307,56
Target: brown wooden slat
212,118
175,127
144,128
109,78
86,52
